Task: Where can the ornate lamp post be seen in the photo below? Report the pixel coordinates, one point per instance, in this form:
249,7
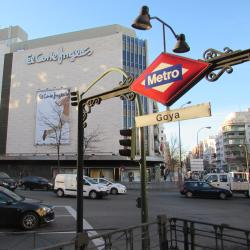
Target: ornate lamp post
142,22
198,148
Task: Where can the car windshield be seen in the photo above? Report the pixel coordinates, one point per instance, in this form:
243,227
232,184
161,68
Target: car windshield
90,180
42,179
3,175
13,195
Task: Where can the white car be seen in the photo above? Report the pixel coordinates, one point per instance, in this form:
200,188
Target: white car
114,188
66,184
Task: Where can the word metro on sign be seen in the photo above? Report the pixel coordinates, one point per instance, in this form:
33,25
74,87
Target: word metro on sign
191,112
164,76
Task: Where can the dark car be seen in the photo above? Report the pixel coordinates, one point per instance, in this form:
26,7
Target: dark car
16,210
35,182
204,189
7,182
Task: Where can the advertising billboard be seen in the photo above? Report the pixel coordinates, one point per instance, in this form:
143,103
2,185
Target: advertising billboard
52,116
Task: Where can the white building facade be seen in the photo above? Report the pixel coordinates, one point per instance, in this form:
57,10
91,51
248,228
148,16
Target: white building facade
234,141
38,76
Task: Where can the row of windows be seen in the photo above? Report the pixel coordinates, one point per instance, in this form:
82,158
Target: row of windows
134,63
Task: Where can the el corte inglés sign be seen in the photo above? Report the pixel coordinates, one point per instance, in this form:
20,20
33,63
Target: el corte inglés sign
59,56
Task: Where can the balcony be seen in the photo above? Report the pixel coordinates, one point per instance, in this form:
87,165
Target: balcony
233,128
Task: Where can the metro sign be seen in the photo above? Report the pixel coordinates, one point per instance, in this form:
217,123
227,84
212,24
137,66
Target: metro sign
169,77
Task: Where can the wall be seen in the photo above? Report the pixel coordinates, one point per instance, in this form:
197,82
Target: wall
27,79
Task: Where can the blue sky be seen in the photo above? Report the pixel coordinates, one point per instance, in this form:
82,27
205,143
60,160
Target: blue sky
206,24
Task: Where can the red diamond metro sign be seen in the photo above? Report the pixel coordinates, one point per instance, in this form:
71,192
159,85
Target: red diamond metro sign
169,77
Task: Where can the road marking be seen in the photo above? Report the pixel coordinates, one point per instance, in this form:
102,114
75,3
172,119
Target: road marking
96,242
64,215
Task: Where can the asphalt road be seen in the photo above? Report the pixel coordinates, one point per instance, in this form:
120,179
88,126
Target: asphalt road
120,211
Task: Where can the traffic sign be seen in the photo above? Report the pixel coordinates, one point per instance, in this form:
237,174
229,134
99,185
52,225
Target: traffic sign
169,77
196,165
191,112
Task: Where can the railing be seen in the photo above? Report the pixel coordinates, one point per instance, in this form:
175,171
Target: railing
162,234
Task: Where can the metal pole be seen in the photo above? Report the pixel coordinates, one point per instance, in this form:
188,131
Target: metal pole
164,39
144,205
80,143
180,147
247,168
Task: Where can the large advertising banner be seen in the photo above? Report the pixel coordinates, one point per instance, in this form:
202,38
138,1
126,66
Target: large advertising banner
52,116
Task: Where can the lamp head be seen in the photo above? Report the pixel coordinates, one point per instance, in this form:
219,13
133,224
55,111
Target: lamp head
142,22
181,46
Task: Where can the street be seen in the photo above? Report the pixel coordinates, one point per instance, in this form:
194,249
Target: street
118,211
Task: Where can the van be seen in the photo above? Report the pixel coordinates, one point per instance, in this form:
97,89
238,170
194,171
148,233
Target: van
237,182
66,184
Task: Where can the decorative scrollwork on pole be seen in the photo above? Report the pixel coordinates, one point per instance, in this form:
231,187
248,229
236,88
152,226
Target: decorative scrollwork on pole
212,53
87,108
223,61
126,81
128,96
212,76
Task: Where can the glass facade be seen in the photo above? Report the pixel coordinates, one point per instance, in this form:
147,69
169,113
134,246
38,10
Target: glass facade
134,63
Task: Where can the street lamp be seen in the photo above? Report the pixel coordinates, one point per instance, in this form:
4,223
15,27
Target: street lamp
142,22
179,126
198,148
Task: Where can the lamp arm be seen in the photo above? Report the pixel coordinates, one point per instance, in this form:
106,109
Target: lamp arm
114,69
157,18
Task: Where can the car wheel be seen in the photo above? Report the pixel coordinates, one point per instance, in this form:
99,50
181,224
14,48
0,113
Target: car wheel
246,194
29,221
93,195
222,196
114,191
59,193
189,194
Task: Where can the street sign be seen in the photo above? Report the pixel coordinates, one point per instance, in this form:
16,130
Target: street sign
169,77
191,112
196,165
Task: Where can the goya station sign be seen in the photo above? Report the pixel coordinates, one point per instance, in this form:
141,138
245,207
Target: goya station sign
169,77
191,112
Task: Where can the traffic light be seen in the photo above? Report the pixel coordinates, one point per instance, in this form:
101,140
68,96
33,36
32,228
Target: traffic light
129,142
74,98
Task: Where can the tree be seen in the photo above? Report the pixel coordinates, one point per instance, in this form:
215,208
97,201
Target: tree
56,133
173,156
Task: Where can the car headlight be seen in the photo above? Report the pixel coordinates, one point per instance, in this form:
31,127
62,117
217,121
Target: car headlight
5,183
42,211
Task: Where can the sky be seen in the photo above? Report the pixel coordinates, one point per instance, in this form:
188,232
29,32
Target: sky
206,24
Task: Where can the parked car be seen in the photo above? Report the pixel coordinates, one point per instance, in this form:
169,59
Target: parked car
35,182
16,210
66,184
114,188
7,182
204,189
